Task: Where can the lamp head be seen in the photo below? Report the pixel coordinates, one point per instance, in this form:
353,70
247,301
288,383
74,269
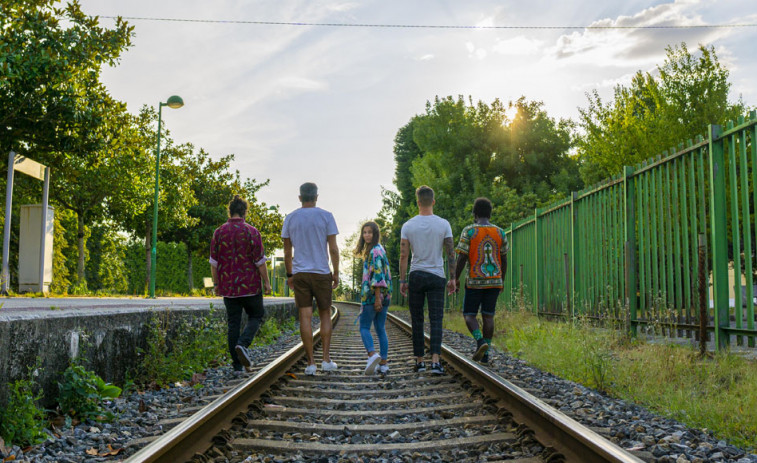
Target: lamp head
174,102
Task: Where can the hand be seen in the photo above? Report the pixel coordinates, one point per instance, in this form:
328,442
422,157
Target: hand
403,289
290,280
268,289
451,286
377,307
335,278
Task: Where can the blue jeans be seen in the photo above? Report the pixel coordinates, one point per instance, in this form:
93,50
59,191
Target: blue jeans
369,316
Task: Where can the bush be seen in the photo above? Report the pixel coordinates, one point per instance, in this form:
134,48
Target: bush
22,422
82,392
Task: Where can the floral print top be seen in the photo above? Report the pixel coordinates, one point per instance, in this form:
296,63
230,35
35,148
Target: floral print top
237,250
376,274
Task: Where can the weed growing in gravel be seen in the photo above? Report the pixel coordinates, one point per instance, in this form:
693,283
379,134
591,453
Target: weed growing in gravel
81,394
22,421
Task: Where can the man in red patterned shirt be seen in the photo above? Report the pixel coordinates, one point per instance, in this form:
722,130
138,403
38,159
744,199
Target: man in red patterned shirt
240,275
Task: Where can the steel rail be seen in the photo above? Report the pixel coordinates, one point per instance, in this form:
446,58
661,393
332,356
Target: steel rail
194,435
552,428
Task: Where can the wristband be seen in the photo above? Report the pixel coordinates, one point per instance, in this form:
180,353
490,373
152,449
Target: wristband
402,282
289,275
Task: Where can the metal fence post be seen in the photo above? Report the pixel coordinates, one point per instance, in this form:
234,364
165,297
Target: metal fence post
537,268
629,217
719,238
574,265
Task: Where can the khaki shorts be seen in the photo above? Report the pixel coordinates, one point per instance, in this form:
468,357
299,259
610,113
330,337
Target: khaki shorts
307,286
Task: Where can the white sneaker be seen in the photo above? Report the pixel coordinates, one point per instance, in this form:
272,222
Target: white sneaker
383,369
310,370
328,366
370,366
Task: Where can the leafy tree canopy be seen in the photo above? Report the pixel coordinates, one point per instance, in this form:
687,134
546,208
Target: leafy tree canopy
655,113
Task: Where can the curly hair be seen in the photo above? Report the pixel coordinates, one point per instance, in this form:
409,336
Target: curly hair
238,205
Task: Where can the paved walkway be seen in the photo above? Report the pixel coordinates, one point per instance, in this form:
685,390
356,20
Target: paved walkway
39,307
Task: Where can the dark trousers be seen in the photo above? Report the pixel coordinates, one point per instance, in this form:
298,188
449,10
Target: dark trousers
253,306
422,286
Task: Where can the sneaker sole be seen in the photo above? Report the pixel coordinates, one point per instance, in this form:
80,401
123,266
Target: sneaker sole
243,358
480,352
371,368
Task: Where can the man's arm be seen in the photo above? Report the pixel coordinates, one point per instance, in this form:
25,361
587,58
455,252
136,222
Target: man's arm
449,250
462,259
404,254
263,269
288,259
334,254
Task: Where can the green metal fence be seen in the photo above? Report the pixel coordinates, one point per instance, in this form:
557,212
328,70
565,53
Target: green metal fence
653,245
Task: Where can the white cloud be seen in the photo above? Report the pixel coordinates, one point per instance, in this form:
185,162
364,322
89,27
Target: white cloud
519,45
426,57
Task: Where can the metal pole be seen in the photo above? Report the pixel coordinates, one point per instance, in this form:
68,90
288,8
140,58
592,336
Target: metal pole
153,251
7,228
703,290
43,237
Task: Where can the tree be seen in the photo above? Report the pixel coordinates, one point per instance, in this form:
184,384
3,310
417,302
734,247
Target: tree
133,209
655,113
41,64
101,162
472,150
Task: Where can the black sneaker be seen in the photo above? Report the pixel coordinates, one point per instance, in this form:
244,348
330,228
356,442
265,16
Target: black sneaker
481,349
244,356
437,369
420,366
484,359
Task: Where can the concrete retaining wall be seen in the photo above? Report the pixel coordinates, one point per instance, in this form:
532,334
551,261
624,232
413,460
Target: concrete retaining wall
107,339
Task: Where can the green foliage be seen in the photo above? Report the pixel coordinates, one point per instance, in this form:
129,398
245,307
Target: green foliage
170,276
655,113
106,268
81,394
22,422
49,55
174,353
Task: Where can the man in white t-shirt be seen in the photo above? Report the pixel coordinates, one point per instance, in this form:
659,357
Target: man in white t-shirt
426,235
311,230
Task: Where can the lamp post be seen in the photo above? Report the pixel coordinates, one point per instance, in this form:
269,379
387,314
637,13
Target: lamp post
173,102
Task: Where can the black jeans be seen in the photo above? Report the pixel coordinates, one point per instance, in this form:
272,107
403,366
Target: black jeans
253,306
422,286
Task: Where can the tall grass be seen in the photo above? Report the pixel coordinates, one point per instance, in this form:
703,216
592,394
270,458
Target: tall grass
717,393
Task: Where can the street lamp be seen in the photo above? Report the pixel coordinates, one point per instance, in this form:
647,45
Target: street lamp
173,102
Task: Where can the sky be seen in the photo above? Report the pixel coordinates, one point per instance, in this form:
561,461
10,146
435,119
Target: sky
323,104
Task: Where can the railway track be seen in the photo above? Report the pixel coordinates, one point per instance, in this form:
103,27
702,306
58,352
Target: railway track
464,415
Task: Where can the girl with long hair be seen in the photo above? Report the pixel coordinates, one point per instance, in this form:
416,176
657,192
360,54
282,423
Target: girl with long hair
375,295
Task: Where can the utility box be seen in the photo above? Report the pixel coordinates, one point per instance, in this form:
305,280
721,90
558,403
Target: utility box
29,248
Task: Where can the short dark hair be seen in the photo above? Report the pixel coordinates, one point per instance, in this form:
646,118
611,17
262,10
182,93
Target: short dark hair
425,196
238,205
482,207
308,192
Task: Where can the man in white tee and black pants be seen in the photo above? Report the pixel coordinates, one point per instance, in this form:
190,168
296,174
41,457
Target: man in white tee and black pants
427,235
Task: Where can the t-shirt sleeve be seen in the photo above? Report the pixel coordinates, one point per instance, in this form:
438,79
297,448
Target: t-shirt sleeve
505,245
448,231
378,268
214,249
331,228
463,246
285,228
258,251
403,232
